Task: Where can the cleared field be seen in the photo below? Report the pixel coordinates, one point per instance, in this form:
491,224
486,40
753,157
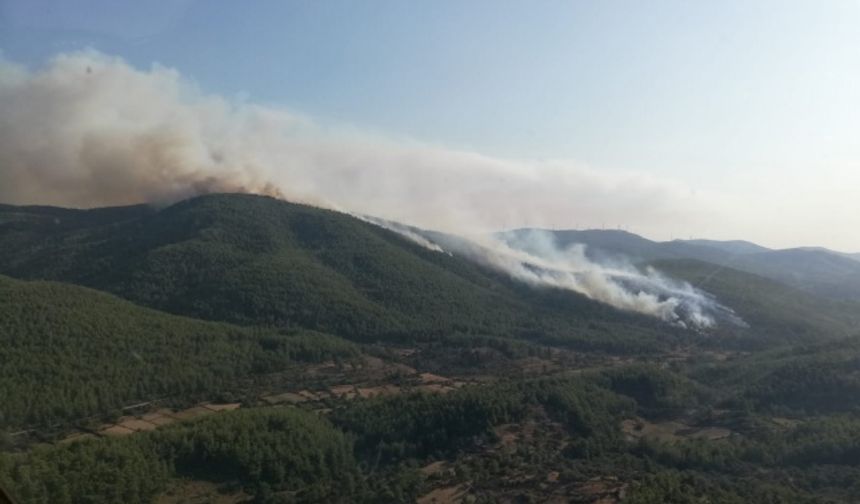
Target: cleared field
447,495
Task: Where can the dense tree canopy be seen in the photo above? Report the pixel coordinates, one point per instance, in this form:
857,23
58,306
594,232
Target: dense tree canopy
69,352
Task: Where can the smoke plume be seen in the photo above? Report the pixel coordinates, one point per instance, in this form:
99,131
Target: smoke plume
533,256
90,130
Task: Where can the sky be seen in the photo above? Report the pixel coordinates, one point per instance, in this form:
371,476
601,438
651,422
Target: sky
744,113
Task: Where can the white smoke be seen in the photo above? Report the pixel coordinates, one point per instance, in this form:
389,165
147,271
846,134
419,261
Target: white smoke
403,230
90,130
533,256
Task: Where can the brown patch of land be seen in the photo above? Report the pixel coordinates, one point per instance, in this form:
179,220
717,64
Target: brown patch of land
136,424
347,391
223,407
446,495
432,378
286,397
192,413
606,490
127,425
160,417
434,468
115,431
507,434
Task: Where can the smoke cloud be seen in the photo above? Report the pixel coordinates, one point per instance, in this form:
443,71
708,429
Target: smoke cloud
90,130
533,256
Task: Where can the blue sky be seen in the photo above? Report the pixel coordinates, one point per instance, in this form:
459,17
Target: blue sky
743,99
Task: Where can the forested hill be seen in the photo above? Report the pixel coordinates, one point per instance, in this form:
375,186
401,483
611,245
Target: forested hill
116,321
69,352
254,260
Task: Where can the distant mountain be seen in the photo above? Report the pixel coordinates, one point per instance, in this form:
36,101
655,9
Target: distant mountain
823,272
730,246
615,244
853,256
816,270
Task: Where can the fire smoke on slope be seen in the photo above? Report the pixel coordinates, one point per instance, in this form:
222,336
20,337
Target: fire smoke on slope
89,130
534,257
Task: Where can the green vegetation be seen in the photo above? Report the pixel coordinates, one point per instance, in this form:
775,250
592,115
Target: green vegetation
258,261
369,450
804,379
421,425
265,450
272,451
69,352
543,395
658,393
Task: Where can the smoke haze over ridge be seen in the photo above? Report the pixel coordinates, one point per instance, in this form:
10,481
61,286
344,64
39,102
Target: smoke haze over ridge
89,130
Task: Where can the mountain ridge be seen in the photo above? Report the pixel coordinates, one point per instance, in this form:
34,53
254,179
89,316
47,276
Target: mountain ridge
258,260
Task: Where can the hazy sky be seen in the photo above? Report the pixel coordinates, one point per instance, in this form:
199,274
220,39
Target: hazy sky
751,107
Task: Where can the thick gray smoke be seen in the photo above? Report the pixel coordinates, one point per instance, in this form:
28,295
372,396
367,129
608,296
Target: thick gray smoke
89,130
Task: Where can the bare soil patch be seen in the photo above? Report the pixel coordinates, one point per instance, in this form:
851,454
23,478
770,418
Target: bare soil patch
137,425
445,495
286,397
115,431
191,413
434,468
223,407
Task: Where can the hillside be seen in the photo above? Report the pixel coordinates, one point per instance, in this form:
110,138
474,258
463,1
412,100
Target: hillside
70,352
775,310
254,260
